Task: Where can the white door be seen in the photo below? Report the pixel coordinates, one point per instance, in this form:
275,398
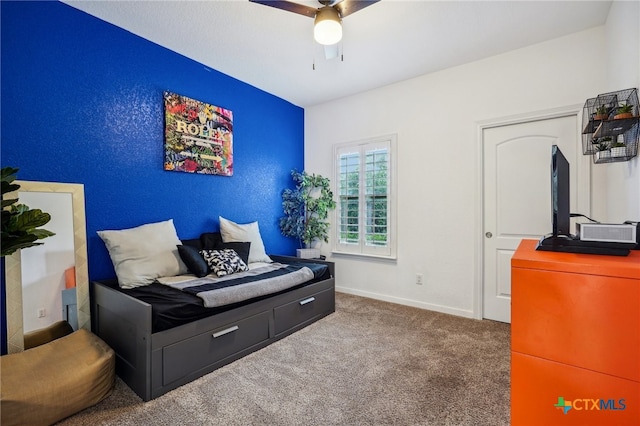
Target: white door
517,196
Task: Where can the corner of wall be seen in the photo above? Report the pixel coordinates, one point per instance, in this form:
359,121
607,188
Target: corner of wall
623,72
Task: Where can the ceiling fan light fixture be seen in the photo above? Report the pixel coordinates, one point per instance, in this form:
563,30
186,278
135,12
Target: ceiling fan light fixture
327,28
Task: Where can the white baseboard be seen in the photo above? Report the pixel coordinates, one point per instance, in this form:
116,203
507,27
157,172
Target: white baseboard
408,302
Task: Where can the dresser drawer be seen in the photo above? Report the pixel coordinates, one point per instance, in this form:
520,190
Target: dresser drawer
302,310
596,399
213,346
588,321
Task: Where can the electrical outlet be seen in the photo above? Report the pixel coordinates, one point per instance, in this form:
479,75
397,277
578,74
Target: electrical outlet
42,313
419,279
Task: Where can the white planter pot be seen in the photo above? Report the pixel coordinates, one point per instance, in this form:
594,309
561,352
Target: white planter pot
600,155
308,253
619,151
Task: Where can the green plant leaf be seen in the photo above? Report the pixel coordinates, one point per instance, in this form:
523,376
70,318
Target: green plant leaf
30,219
8,174
13,243
8,202
42,233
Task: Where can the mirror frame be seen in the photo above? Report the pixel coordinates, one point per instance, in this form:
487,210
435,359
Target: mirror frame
13,267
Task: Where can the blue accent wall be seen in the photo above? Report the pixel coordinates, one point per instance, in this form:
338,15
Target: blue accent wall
82,103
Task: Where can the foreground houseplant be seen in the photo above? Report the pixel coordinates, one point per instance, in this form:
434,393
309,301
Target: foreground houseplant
306,208
20,224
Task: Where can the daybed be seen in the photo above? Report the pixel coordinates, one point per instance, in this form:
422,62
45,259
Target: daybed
154,355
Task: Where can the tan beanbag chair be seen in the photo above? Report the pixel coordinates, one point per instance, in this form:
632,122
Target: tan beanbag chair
45,335
45,384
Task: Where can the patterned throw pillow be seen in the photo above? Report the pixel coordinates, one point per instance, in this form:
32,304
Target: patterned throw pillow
224,262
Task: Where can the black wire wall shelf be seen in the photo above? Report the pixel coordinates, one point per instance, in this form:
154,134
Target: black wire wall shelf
611,126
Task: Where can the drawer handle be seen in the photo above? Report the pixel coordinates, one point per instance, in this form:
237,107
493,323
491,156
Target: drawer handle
225,331
305,301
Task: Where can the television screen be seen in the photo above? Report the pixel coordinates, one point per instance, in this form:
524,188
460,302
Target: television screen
560,198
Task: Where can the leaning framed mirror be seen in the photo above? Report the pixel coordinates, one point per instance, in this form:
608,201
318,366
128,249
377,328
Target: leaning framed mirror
41,281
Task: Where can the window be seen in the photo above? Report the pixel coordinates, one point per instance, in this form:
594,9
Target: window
365,214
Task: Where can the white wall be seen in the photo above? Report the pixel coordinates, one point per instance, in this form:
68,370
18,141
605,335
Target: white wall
623,72
438,193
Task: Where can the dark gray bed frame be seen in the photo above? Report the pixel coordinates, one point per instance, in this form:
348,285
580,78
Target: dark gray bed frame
152,364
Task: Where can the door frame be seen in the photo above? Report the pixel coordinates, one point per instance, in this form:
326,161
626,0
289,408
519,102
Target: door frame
583,171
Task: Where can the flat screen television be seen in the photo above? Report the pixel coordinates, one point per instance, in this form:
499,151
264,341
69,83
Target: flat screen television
560,196
561,239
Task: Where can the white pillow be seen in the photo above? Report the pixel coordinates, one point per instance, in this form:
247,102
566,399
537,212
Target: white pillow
249,232
142,254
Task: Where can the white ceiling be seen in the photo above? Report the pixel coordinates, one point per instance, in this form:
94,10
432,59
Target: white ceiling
389,41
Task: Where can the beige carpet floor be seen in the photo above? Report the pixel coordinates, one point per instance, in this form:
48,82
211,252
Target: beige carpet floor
369,363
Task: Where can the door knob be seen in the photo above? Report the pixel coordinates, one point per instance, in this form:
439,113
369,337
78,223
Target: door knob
488,235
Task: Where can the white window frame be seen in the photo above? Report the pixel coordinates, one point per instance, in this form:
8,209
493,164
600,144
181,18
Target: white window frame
361,248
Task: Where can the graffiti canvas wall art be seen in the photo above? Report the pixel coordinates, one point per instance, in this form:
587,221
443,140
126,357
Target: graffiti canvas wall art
198,137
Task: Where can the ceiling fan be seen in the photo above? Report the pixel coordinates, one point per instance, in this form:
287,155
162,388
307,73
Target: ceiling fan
327,29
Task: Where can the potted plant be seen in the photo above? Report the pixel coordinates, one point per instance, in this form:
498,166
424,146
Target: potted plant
624,111
20,224
602,151
618,149
602,113
306,208
602,141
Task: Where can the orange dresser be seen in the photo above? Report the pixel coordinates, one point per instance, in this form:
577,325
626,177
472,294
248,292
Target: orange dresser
575,338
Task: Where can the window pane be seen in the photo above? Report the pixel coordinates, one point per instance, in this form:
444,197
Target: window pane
376,229
376,166
349,221
348,192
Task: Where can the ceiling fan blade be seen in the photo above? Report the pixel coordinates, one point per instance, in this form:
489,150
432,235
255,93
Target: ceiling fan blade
289,6
347,7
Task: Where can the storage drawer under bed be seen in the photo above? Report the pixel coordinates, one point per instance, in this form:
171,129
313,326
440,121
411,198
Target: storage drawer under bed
213,346
297,313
